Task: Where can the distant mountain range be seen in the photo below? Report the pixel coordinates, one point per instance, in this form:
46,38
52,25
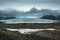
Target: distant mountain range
33,12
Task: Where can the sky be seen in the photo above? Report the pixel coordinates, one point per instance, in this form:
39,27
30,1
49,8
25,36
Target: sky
25,5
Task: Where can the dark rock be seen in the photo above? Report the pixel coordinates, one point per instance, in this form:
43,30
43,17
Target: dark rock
51,17
3,18
1,22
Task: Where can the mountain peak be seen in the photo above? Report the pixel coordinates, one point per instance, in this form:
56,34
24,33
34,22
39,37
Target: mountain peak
34,10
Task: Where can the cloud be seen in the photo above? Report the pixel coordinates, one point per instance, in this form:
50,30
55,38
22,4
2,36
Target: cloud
32,13
49,4
29,1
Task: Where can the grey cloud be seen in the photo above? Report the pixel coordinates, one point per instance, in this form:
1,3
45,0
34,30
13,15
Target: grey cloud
30,1
33,11
42,3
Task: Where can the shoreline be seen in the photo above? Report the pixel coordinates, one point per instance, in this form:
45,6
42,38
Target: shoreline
32,25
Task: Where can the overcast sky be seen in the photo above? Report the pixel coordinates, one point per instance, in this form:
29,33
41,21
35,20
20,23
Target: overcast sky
25,5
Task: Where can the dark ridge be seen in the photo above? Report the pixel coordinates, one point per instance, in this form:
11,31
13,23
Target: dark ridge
51,17
4,18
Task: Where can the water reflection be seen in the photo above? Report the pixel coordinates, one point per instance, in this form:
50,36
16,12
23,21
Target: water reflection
26,20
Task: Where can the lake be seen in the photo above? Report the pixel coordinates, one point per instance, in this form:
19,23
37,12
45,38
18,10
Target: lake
27,20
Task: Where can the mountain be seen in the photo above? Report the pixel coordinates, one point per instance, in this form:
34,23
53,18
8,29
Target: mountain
51,17
34,10
44,11
5,17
